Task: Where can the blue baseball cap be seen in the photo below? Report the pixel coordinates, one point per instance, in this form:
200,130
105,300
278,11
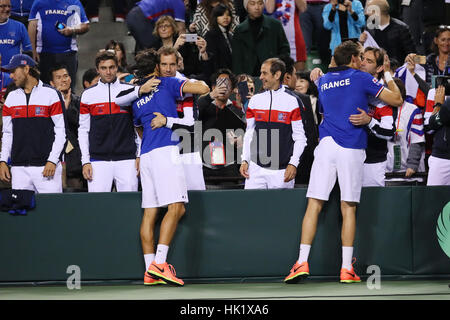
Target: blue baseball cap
19,60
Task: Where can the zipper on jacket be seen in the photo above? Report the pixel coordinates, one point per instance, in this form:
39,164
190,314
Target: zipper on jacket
270,107
27,100
110,119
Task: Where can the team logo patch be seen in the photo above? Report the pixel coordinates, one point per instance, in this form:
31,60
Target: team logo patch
282,116
374,80
38,111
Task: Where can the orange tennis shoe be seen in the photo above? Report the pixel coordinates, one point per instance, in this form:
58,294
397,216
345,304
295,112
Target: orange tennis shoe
298,271
149,281
349,276
166,272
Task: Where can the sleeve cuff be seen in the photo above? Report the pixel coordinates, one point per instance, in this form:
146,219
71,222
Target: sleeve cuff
169,123
244,159
53,160
372,123
294,162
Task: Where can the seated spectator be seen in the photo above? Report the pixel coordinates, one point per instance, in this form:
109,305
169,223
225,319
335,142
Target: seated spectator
344,20
257,39
221,152
142,18
406,149
90,78
195,57
243,103
201,20
219,38
391,34
437,60
287,12
304,85
72,176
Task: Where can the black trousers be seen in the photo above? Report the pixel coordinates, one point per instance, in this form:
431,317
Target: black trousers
91,8
141,29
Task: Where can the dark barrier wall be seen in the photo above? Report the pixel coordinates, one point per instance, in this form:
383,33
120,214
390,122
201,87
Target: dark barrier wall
227,234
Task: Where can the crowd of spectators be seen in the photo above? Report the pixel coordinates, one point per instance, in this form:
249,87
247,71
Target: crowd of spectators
224,43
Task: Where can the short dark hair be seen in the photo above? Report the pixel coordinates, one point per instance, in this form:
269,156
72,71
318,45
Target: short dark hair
227,72
345,51
378,53
289,63
105,55
276,64
89,75
394,63
57,67
34,72
146,61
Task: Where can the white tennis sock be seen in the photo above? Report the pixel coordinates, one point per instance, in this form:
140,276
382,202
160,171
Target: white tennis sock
148,258
304,253
161,253
347,256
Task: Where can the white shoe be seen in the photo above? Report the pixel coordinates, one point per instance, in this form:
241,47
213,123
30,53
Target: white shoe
94,20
